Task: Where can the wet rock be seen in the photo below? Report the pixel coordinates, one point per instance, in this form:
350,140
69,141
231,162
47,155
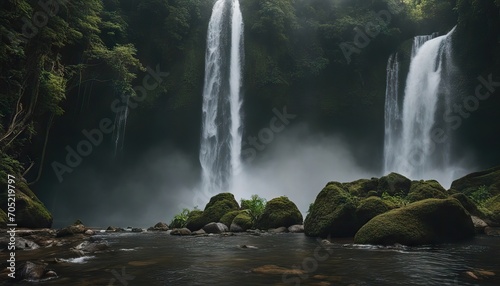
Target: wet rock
278,230
216,208
89,232
71,230
91,247
198,232
235,228
21,243
479,224
215,227
33,271
493,231
161,226
136,229
296,228
50,274
276,270
248,246
180,231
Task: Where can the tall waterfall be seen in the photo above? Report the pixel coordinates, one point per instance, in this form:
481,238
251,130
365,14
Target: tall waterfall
220,149
409,147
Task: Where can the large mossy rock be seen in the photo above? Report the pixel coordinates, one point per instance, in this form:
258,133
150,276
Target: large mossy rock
361,187
30,211
429,221
394,184
332,214
370,208
493,207
216,208
468,204
489,178
279,212
244,221
227,219
421,190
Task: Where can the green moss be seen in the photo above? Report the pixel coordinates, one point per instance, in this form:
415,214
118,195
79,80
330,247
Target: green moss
244,220
362,187
195,220
489,178
370,208
393,184
468,204
227,197
333,213
493,207
425,222
30,211
3,218
228,218
279,212
421,190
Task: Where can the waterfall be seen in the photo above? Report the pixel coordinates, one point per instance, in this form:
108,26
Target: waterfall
409,147
221,136
120,127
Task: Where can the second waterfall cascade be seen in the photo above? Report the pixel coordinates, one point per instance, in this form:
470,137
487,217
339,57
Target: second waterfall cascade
221,137
410,121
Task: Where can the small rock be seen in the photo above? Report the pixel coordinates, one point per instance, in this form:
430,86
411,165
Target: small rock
136,229
277,270
278,230
249,246
493,231
485,273
471,275
161,226
479,224
180,231
78,222
235,228
50,274
297,228
89,232
71,230
91,247
326,242
31,271
198,232
215,227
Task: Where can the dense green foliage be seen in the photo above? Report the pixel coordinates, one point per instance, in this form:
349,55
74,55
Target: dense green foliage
255,207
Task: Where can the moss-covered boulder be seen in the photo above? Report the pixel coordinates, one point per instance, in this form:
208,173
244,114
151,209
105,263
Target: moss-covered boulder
370,208
243,221
468,204
279,212
421,190
489,178
429,221
394,184
493,210
362,187
195,220
216,208
332,214
227,219
30,211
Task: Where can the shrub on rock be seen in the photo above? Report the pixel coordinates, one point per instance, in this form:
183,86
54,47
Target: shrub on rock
362,187
332,214
279,212
428,221
469,183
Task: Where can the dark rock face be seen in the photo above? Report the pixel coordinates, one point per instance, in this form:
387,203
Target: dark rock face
215,227
425,222
279,212
333,213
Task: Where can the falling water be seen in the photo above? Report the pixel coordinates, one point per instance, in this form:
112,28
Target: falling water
120,127
410,148
220,149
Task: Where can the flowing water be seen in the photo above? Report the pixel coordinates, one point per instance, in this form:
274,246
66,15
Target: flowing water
161,259
220,148
410,148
